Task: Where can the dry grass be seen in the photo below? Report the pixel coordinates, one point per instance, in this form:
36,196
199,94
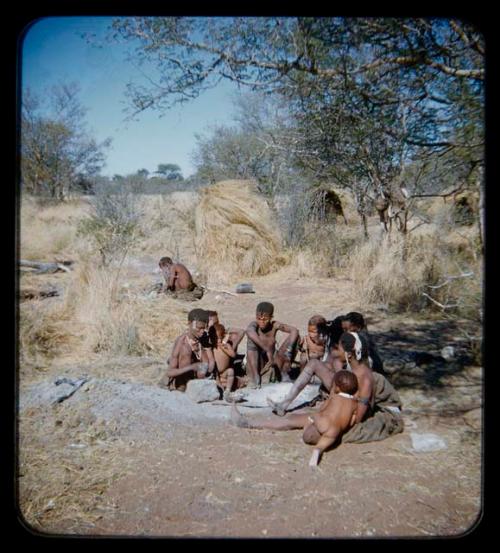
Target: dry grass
168,226
397,271
222,233
62,481
98,315
235,234
49,231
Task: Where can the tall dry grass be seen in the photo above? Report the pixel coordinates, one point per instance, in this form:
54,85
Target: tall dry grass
49,231
168,227
99,315
235,233
419,271
222,233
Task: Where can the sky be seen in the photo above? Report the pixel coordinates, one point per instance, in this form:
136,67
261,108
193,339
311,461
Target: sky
54,51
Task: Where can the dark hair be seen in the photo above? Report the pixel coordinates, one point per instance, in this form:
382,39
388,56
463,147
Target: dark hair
346,381
219,329
355,318
332,329
265,307
348,342
198,315
212,313
165,261
316,320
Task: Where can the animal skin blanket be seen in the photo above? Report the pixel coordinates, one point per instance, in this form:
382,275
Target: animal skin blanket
385,418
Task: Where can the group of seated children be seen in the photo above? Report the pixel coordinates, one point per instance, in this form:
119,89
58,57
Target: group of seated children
339,353
207,349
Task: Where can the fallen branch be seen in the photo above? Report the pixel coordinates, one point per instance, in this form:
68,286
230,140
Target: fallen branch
221,291
43,267
450,278
440,304
31,294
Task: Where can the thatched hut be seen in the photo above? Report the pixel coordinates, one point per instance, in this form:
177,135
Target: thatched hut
235,232
325,203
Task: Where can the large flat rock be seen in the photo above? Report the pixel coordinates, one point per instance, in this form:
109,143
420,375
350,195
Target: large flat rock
278,392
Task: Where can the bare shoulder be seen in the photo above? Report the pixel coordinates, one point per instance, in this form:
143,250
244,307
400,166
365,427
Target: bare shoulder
179,341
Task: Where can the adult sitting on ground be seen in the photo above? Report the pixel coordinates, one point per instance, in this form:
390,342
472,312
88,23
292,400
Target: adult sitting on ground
321,429
178,280
379,411
189,360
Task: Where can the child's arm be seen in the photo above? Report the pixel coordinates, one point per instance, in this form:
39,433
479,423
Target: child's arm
237,336
208,357
294,335
352,422
174,273
363,397
228,349
173,369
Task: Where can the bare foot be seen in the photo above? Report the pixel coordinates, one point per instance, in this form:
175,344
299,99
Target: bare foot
163,384
276,407
238,419
233,397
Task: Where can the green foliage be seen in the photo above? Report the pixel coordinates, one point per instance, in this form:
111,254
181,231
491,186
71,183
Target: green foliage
170,171
57,154
366,96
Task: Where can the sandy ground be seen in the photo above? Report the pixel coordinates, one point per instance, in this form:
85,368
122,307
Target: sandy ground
127,458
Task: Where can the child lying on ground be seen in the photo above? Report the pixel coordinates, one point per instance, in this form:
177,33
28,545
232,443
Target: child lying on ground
321,429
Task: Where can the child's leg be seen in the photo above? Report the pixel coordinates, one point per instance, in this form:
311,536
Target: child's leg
314,367
284,361
290,422
229,379
253,366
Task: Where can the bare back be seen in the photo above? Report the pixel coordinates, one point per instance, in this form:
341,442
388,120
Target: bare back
181,277
337,412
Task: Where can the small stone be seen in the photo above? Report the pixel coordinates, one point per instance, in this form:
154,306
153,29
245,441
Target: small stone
427,442
202,390
448,353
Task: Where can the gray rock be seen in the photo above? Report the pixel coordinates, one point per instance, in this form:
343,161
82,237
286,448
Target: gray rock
278,392
245,288
448,353
427,442
66,387
202,390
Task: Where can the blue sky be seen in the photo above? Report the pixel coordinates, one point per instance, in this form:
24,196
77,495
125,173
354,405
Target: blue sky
54,51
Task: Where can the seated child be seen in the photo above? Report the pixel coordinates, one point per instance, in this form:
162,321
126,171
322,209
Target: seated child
224,354
313,344
261,345
189,359
235,335
322,428
176,275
